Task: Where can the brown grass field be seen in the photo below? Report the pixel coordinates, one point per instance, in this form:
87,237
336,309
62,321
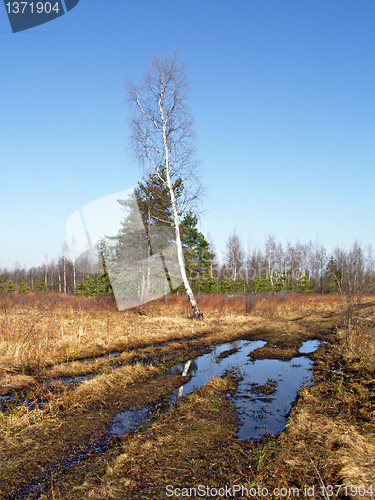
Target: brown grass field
329,440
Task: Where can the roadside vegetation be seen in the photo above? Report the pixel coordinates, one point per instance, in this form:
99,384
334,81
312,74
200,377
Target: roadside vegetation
330,434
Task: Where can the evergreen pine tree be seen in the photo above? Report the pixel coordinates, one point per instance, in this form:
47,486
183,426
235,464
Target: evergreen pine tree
197,254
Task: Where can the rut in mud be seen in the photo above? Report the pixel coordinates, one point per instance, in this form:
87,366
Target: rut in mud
64,419
263,399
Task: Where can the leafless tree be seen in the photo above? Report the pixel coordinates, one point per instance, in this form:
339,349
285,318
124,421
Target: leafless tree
163,139
73,248
370,266
235,257
320,263
270,251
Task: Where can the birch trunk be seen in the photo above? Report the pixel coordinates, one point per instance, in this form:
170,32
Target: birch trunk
180,256
74,276
196,311
163,135
64,270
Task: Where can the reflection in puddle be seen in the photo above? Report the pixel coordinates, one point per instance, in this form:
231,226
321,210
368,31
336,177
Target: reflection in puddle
130,421
264,395
259,415
200,370
213,364
309,346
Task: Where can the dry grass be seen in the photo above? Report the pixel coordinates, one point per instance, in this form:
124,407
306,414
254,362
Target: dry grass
329,440
330,434
171,451
265,305
342,447
359,344
39,331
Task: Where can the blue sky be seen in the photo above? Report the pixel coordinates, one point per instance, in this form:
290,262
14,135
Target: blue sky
283,95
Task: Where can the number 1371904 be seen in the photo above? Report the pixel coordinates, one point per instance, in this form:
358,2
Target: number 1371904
32,7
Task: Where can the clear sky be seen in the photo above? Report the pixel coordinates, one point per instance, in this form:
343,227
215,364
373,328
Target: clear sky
283,95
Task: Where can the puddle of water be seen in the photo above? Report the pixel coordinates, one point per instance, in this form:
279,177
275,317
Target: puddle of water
264,395
5,403
112,354
309,346
10,403
259,410
337,371
34,488
78,379
129,421
200,369
204,368
7,398
261,413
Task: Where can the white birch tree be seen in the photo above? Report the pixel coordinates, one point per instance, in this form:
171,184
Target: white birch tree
235,257
163,139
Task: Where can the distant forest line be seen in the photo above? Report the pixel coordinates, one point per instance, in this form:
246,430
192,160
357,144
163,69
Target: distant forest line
274,268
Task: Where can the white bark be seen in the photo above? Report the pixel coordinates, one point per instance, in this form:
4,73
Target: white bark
64,268
180,256
162,135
